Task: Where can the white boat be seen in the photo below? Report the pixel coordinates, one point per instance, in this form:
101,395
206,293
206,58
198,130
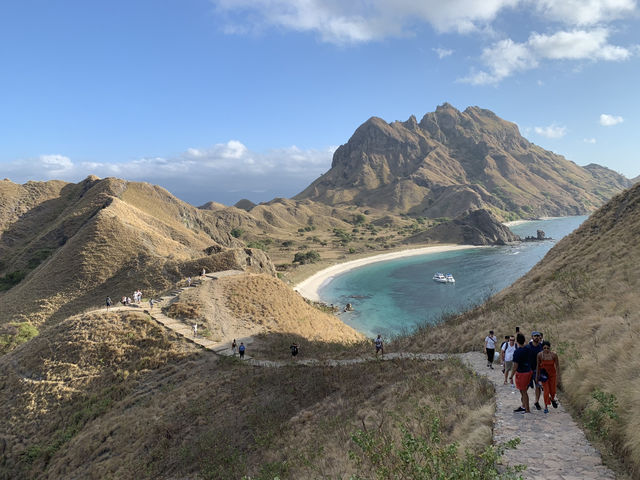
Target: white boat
439,277
450,278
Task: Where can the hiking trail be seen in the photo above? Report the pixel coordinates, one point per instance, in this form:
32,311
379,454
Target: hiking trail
552,446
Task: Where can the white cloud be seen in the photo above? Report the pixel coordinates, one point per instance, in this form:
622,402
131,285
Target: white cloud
224,172
506,57
337,21
551,131
584,12
577,45
54,164
610,120
442,52
589,140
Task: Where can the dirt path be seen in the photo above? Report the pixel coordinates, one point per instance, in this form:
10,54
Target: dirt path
552,445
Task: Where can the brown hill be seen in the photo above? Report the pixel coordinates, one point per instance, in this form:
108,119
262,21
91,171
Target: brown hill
249,305
452,162
479,227
65,247
583,295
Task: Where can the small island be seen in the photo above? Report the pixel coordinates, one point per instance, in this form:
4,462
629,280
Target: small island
540,235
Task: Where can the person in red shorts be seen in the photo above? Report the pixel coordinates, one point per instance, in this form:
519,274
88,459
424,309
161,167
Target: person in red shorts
522,372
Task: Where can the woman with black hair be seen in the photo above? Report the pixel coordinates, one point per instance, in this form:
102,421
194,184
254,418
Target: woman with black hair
549,367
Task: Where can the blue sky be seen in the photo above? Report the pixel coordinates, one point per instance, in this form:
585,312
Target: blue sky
228,99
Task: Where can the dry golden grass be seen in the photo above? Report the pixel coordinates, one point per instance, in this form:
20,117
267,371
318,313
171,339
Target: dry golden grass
249,304
112,395
267,301
584,296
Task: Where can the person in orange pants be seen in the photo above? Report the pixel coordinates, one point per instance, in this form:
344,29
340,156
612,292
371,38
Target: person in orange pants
548,362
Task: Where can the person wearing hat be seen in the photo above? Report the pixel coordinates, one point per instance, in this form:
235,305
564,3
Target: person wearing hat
535,347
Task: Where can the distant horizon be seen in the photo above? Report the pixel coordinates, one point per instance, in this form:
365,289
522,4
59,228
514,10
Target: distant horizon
249,99
229,203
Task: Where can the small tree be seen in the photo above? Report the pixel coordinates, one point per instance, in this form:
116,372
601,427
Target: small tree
236,232
311,256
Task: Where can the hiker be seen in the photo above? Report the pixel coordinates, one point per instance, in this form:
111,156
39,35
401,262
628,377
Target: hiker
294,349
151,304
379,345
507,355
195,330
505,342
535,347
548,366
188,281
234,345
108,302
202,274
241,350
490,348
522,371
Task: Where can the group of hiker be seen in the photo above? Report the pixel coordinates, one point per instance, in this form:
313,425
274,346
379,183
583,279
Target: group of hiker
527,365
125,300
241,349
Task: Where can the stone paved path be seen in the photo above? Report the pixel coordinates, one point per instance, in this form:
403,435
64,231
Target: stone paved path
552,445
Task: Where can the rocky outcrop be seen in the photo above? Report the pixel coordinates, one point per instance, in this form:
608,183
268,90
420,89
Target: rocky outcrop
479,227
452,162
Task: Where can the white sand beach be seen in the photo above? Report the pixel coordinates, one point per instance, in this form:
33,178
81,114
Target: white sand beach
309,287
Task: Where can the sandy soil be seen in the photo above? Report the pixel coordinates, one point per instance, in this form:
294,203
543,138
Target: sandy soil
309,288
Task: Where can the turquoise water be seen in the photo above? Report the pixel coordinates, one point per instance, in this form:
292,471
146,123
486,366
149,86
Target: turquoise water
394,296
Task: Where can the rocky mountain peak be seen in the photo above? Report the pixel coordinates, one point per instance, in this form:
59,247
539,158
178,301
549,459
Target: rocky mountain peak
453,161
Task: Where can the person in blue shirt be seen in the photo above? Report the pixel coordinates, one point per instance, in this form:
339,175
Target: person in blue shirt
522,372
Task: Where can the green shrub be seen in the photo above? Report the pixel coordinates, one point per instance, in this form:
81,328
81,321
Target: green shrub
236,232
17,334
11,279
310,256
601,412
420,454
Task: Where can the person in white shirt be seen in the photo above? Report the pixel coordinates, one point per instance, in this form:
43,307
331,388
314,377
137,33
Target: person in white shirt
507,353
490,348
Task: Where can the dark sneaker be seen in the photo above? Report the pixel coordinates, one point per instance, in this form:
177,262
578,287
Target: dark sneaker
519,410
546,410
554,403
538,407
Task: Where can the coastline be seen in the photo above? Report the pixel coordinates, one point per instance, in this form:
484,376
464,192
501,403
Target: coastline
310,286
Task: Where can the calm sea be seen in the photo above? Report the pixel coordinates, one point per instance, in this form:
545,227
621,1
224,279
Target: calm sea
393,296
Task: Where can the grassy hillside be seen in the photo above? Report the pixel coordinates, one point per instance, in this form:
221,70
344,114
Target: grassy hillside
66,247
249,305
584,296
112,395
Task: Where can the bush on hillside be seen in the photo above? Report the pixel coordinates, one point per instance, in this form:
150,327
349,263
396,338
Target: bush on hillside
420,454
310,256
